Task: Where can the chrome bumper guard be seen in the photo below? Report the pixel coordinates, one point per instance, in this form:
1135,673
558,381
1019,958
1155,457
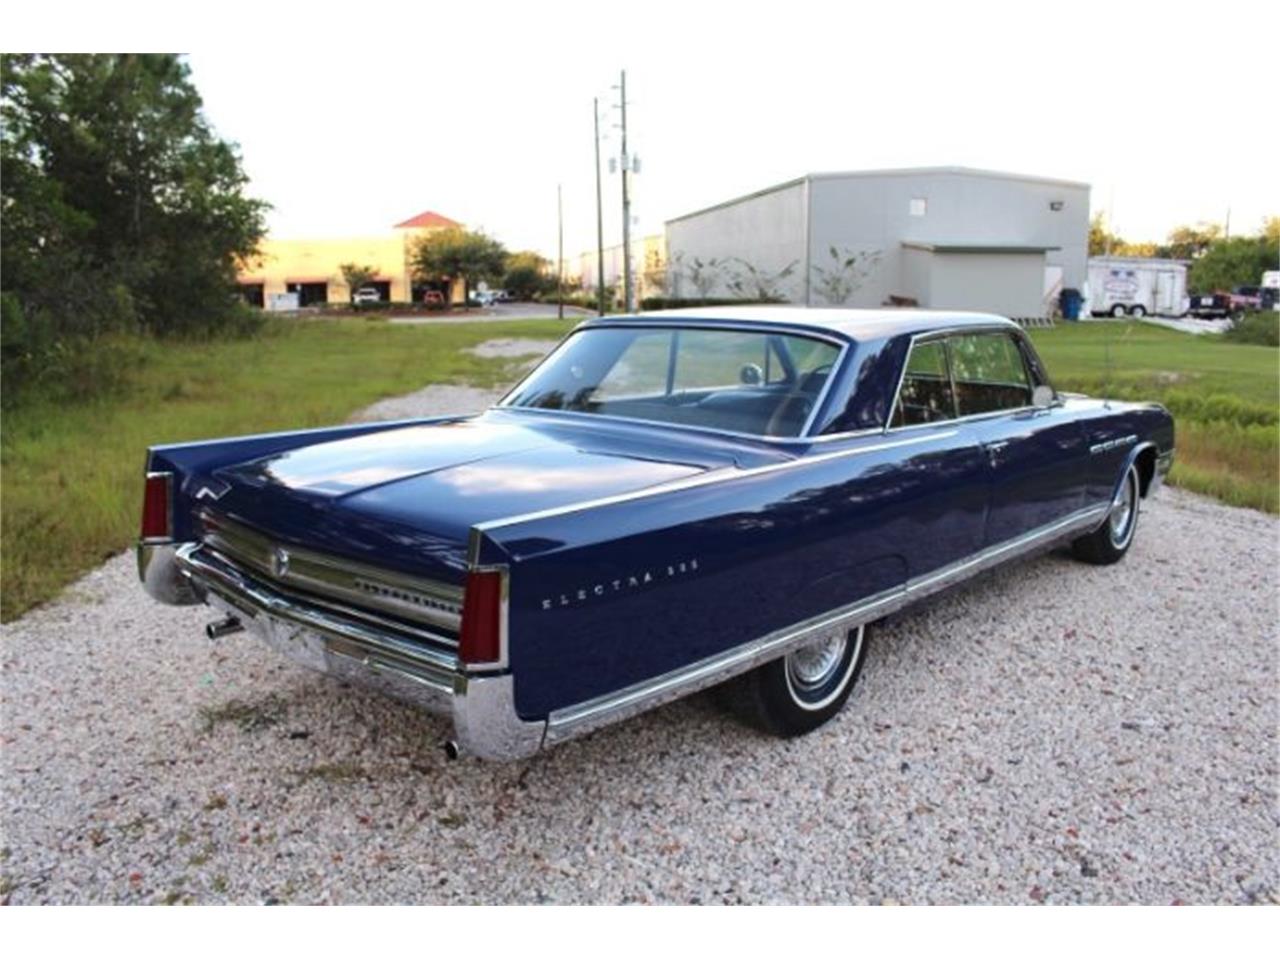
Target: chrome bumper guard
334,640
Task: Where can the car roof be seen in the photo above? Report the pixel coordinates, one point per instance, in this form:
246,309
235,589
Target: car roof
850,324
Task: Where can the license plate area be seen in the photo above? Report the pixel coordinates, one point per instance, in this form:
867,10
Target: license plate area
299,644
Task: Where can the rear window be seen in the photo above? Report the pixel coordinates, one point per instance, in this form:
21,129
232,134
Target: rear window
759,383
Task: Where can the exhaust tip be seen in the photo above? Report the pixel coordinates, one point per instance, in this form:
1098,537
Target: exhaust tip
452,750
222,628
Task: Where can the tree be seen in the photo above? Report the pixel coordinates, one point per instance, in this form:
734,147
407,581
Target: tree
1102,242
840,279
122,209
527,275
1239,261
458,254
1189,243
114,149
1271,230
758,284
356,276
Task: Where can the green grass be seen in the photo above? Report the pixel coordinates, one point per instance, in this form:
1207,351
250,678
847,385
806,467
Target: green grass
72,472
1225,398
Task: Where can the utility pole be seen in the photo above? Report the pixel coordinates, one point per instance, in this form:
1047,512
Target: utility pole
559,252
595,106
628,296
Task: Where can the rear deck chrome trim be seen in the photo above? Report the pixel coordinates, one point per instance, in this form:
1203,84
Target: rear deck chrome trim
251,599
576,720
413,598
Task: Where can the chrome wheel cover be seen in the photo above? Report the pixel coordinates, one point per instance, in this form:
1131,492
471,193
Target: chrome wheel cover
816,674
1124,513
812,665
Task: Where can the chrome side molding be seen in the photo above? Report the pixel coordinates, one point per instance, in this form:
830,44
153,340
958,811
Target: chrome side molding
576,720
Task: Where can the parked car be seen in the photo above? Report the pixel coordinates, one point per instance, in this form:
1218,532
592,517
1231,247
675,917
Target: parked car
1209,306
1246,298
1271,290
483,298
667,502
433,296
366,295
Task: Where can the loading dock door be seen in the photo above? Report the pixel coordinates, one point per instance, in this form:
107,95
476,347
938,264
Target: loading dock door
309,293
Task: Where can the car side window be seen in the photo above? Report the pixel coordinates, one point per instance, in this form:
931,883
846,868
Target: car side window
925,395
989,373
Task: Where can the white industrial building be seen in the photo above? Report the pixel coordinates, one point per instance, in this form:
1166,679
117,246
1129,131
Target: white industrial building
941,237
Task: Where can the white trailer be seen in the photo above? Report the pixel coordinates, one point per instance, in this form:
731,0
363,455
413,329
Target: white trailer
1137,286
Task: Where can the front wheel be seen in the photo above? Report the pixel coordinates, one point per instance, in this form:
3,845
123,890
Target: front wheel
1111,541
1118,310
1138,311
803,690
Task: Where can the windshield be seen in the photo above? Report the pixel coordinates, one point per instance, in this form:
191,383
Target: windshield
765,384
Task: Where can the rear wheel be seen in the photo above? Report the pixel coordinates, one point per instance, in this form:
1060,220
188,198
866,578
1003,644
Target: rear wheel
1111,541
1138,310
803,690
1118,310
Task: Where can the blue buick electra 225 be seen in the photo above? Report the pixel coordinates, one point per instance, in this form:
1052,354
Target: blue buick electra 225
667,502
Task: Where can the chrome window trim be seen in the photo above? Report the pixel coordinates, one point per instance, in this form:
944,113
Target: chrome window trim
968,418
581,718
702,479
804,442
837,368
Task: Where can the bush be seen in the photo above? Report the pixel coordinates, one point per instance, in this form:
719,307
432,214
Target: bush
1259,327
576,298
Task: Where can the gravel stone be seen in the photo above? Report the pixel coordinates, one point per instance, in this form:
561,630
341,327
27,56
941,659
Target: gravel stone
1048,733
512,347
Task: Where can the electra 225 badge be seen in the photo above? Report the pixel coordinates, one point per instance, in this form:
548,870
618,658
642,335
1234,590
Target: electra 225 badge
634,581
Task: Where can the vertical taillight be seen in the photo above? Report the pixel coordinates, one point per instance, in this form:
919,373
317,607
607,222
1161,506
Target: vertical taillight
480,640
156,508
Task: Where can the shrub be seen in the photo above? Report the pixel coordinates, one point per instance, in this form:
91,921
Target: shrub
1258,327
675,303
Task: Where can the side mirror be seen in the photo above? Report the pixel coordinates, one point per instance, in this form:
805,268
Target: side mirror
751,374
1043,397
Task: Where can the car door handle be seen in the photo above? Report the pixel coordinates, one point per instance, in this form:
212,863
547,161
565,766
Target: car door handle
997,446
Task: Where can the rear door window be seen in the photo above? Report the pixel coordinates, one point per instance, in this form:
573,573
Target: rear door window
925,396
989,373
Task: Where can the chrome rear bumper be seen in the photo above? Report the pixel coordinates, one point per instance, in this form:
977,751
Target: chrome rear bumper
342,642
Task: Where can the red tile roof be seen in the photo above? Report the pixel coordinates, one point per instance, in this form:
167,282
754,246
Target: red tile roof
428,218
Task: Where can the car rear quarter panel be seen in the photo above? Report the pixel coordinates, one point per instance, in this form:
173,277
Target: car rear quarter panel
619,593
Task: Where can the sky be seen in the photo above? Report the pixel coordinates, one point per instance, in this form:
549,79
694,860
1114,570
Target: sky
348,124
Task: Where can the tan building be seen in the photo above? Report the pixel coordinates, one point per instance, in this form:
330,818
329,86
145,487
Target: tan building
312,268
648,268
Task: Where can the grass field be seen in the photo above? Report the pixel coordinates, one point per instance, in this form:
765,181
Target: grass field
72,472
1225,398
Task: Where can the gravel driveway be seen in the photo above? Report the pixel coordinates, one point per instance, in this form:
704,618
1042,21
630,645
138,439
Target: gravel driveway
1049,733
